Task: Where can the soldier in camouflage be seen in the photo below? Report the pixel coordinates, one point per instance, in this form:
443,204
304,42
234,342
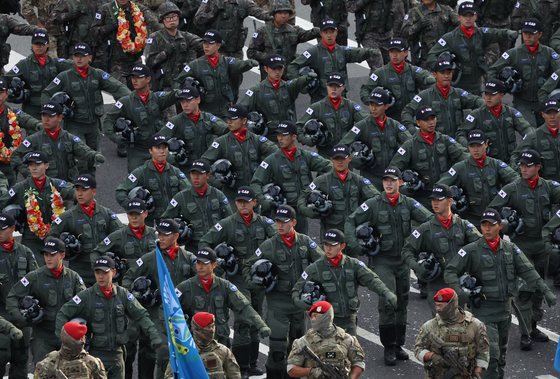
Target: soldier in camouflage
11,26
497,14
333,9
43,19
546,11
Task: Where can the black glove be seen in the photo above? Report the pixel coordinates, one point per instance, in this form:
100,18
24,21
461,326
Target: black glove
76,12
424,23
169,49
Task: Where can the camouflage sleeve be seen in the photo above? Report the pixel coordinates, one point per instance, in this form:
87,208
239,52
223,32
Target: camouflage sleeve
206,13
519,14
97,368
421,347
398,11
547,232
155,54
356,354
353,6
295,359
256,48
231,367
28,12
194,43
256,11
44,369
411,28
482,345
306,35
61,12
550,85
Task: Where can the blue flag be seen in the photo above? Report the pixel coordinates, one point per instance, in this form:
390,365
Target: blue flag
184,359
557,358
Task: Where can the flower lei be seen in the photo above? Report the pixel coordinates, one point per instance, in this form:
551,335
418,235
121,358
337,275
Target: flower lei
17,137
123,33
34,215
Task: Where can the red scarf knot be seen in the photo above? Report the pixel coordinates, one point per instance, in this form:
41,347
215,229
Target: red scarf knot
40,182
138,232
446,222
428,137
533,182
207,283
83,71
494,244
41,59
497,111
289,239
392,199
468,32
554,131
240,134
336,260
213,59
444,90
53,133
275,84
160,166
398,67
195,117
330,47
290,153
480,162
335,102
172,252
381,122
144,98
107,292
56,273
8,245
203,192
247,218
533,49
89,208
342,175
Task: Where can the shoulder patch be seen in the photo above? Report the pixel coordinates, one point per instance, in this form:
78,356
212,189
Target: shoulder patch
139,262
255,35
518,250
218,226
105,76
56,81
406,17
264,165
555,183
366,181
554,76
107,241
503,164
258,252
361,263
470,224
263,139
62,183
355,130
233,287
61,59
182,174
12,192
485,30
416,234
26,143
231,60
417,204
555,55
452,140
312,186
161,93
307,54
76,299
149,41
347,48
309,111
81,280
364,207
374,77
170,125
470,118
15,69
518,114
249,93
464,93
77,139
215,144
173,202
187,68
502,194
98,16
269,221
130,297
452,172
132,178
417,98
312,244
178,293
225,200
401,151
462,253
304,275
118,104
418,69
113,215
24,281
57,220
402,128
442,42
357,107
505,55
314,154
213,118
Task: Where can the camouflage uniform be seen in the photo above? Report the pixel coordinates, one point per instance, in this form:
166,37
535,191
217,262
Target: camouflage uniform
547,11
188,10
44,9
11,25
335,9
47,368
442,19
497,14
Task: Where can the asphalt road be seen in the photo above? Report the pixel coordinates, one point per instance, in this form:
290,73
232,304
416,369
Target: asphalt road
537,363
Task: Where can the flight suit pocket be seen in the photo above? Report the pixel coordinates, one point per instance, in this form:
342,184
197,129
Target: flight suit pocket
238,158
273,107
186,270
68,293
260,234
98,314
87,232
101,226
488,275
443,245
129,249
477,184
337,194
487,261
99,341
173,182
121,318
53,298
326,275
47,149
239,236
530,206
422,154
286,173
200,303
329,287
350,289
192,208
383,217
214,204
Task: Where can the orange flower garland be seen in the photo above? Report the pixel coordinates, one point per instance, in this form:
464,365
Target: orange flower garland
123,33
15,133
34,215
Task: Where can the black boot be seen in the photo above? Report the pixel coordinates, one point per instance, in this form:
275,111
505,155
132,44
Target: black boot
525,343
537,335
401,335
423,287
274,374
388,336
146,368
255,370
243,356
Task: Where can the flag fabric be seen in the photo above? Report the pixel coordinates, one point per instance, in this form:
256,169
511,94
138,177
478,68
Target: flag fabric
184,358
557,358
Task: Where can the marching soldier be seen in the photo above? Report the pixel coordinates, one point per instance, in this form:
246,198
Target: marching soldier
438,333
401,78
497,14
44,195
488,260
441,236
335,112
469,50
84,85
549,86
291,252
291,169
44,20
89,222
555,41
17,260
550,247
107,307
498,121
333,9
547,11
392,214
324,337
479,176
15,27
62,149
533,198
51,279
202,205
447,102
206,292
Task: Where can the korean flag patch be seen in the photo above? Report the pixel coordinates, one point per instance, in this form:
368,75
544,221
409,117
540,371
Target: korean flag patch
139,262
462,253
249,93
258,252
312,186
56,81
105,76
505,55
264,165
77,139
416,234
215,144
170,125
149,41
554,76
364,207
98,16
502,194
309,111
401,151
178,293
118,104
76,299
417,98
406,17
24,281
107,241
307,54
452,172
187,68
57,220
374,77
304,275
233,287
132,178
218,227
12,192
442,42
255,35
26,143
130,297
173,202
15,69
355,130
470,118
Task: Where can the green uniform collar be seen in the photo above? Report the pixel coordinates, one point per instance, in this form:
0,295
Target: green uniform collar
383,197
96,289
198,282
472,162
525,49
418,137
454,221
152,166
78,208
29,181
276,29
239,219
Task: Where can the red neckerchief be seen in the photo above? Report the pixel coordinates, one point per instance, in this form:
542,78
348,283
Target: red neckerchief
480,162
144,97
468,32
444,90
342,175
554,132
446,222
398,67
331,47
533,49
428,137
533,182
392,199
56,273
289,239
497,111
207,283
172,251
247,218
275,84
195,117
83,72
494,244
240,134
8,245
213,59
335,260
40,183
89,209
42,60
53,133
138,231
2,111
201,193
335,102
108,292
381,123
160,166
290,153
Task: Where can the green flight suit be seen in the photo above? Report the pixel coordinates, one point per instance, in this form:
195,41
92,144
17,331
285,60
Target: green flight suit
394,225
341,285
107,321
346,197
14,265
52,293
535,69
499,274
286,320
146,116
555,41
470,52
550,85
19,194
500,131
201,212
89,230
433,237
292,177
551,249
481,184
404,86
429,161
449,110
12,25
548,147
338,122
535,207
63,153
382,142
88,104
